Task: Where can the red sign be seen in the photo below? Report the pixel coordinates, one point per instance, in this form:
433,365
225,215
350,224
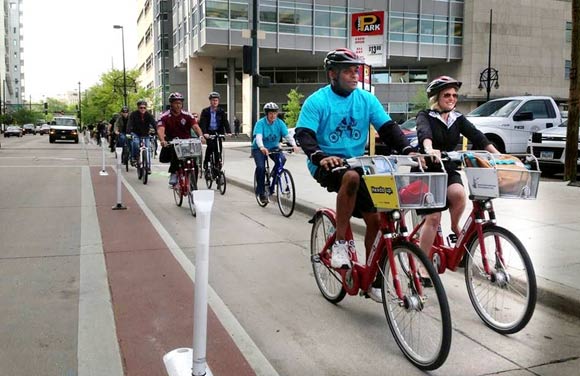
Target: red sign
371,23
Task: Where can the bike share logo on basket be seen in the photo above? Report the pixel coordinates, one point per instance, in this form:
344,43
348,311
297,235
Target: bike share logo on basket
482,182
382,189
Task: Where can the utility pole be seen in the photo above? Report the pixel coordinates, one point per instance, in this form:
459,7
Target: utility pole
255,64
574,99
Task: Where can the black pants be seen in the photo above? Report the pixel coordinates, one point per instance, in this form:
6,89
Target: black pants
212,148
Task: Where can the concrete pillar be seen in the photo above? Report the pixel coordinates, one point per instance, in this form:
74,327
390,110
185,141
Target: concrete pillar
246,104
231,92
199,82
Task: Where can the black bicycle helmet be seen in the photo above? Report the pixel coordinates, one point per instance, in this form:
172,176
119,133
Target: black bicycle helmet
270,106
141,102
214,94
441,83
175,97
341,57
125,109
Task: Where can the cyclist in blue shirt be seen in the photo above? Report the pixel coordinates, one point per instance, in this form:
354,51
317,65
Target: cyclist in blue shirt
267,134
333,125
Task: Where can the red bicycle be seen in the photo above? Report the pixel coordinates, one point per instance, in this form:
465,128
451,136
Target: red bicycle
499,275
417,312
187,151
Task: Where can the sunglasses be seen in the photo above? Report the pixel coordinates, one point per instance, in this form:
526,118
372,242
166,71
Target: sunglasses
449,95
142,108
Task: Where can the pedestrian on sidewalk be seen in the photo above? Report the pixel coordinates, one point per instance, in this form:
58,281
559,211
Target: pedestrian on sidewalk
236,127
334,125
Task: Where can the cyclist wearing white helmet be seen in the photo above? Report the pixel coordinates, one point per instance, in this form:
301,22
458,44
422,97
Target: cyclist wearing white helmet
267,134
438,129
333,125
213,120
175,123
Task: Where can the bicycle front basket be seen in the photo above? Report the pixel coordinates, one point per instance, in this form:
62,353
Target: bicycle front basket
188,148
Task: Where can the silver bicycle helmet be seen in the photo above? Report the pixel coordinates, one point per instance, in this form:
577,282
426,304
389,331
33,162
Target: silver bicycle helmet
270,106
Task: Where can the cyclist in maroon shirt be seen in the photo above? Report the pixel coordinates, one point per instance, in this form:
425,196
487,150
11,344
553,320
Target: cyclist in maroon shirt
176,123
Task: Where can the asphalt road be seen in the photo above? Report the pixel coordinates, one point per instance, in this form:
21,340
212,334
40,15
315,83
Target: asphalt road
259,268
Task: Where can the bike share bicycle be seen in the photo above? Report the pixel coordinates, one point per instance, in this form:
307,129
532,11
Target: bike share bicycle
214,170
279,182
499,274
418,316
187,151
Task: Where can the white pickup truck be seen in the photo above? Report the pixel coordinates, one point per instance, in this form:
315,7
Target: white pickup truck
509,122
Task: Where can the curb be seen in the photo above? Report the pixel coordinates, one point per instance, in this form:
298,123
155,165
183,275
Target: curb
561,298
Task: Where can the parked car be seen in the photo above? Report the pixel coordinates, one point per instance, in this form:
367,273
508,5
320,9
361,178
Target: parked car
409,129
63,128
549,146
13,130
44,129
28,128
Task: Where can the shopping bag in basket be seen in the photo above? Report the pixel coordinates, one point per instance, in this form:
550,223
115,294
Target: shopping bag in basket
512,174
165,155
413,193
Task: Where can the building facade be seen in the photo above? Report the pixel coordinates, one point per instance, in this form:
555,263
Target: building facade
11,71
530,48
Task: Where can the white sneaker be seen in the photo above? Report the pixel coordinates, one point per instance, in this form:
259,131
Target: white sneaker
340,257
375,294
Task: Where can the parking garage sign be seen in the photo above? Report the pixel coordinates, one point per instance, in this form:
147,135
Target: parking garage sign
368,37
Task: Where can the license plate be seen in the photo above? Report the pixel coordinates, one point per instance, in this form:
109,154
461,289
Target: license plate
63,137
547,154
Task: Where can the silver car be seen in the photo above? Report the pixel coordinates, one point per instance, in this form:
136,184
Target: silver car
549,146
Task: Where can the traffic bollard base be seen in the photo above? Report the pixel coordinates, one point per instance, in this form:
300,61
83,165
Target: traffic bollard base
119,207
103,173
179,363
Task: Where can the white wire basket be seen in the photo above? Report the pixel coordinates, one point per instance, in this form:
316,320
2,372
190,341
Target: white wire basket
187,148
391,186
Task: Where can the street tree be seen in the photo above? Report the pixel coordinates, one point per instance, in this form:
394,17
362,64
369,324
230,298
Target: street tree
571,159
292,108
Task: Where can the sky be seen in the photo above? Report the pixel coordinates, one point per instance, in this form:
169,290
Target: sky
67,41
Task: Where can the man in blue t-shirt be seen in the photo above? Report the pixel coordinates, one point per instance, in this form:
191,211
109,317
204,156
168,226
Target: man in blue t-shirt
267,134
333,125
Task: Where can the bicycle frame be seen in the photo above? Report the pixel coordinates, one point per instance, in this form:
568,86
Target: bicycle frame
448,257
185,166
274,175
362,275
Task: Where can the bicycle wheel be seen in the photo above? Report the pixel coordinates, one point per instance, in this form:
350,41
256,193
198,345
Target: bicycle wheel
420,323
504,300
144,166
286,193
329,281
177,190
125,158
266,184
192,181
208,173
221,183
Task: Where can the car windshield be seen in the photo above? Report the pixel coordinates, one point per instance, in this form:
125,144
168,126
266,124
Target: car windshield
409,125
499,108
65,121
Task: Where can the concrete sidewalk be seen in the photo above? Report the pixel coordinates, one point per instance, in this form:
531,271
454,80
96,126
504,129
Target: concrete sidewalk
549,226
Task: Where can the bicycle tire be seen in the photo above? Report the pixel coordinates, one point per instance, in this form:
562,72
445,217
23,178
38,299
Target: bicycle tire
209,176
418,322
221,183
145,166
177,196
125,158
192,186
329,280
260,203
286,193
511,298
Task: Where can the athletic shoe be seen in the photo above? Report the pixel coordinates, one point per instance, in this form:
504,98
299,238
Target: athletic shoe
340,257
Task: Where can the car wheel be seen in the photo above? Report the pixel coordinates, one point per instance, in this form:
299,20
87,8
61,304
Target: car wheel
51,140
497,142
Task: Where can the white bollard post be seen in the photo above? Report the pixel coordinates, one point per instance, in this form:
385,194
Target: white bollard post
103,171
183,361
119,206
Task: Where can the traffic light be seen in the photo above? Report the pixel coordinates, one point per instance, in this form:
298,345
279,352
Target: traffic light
45,108
247,60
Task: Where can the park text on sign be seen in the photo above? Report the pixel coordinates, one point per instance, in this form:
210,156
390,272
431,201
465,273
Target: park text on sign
368,39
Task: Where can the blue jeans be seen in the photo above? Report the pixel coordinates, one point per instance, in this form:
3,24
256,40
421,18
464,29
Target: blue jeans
121,139
260,160
136,143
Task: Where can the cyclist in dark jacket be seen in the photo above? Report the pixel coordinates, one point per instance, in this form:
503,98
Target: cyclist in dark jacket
140,121
213,121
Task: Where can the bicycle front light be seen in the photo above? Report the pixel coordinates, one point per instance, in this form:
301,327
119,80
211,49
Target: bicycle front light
396,215
487,205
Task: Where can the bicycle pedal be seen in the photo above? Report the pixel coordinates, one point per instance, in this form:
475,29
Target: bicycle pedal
315,258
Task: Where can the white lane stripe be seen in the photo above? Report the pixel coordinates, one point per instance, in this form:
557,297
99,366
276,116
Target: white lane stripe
249,349
98,349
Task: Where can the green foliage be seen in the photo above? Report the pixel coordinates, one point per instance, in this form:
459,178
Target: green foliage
292,108
419,101
25,116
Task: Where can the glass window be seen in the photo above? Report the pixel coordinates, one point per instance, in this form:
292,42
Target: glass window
284,28
396,25
286,16
537,107
381,78
567,65
239,25
322,18
426,26
268,14
304,30
338,20
399,77
568,32
398,37
285,77
307,77
267,27
322,31
338,33
217,24
410,26
418,76
216,9
303,17
239,11
440,28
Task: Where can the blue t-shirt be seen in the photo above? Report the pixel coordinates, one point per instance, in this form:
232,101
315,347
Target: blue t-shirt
271,133
341,124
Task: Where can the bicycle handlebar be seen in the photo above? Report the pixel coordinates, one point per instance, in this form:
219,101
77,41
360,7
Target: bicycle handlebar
214,136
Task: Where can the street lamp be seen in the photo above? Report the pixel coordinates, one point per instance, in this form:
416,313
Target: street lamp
489,76
124,71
